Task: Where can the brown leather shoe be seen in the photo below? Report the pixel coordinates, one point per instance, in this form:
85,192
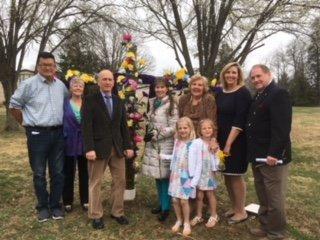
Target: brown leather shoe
258,232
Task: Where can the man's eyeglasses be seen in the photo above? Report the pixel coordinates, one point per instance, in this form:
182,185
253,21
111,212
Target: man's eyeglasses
47,65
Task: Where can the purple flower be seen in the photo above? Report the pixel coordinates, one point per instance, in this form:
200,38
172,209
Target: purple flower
133,84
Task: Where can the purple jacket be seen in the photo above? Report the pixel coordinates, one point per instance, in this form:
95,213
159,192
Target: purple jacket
72,132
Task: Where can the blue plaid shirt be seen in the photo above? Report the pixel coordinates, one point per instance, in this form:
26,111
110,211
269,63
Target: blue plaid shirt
40,101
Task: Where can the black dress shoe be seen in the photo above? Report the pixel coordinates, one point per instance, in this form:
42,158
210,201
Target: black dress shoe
97,223
156,210
163,216
122,220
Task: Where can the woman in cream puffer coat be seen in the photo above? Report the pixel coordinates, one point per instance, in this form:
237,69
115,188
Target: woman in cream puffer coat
162,118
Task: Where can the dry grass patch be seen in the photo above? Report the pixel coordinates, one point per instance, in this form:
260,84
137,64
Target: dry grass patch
18,217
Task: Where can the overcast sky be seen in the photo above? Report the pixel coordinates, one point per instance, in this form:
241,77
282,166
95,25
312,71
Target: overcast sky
165,59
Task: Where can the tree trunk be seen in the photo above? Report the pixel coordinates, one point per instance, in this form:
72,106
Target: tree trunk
9,84
11,125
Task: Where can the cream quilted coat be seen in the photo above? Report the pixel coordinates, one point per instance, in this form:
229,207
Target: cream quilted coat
162,142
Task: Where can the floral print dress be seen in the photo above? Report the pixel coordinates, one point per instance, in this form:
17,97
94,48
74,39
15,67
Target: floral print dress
179,186
207,179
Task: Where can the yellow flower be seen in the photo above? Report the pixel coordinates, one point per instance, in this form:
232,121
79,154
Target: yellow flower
76,73
181,74
69,74
129,45
131,55
87,78
124,64
130,123
72,73
129,89
120,78
130,67
121,95
222,156
142,62
213,82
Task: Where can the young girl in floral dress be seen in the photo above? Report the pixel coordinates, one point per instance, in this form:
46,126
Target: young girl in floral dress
203,164
180,182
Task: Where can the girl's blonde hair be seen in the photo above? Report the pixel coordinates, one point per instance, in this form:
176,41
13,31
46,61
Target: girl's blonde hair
204,80
240,81
203,121
189,122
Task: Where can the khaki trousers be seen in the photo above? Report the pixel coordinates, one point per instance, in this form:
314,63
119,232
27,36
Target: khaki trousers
96,172
271,186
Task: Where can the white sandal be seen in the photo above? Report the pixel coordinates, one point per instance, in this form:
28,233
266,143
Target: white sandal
186,229
196,220
176,227
212,221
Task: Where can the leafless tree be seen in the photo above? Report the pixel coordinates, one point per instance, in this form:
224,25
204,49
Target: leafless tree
46,22
196,29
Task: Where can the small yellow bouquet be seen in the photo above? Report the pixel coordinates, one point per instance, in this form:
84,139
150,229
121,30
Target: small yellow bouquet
222,159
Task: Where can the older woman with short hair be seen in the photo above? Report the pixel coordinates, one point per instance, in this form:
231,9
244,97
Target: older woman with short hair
233,105
198,104
74,151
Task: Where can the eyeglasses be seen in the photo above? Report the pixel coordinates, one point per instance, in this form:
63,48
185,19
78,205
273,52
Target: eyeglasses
47,65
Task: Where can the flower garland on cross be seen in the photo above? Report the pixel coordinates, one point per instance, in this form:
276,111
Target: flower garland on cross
128,83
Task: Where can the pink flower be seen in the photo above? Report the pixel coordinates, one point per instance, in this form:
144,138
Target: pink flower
127,37
138,138
131,115
133,84
137,116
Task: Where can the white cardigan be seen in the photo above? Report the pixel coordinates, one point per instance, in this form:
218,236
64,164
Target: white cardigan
195,160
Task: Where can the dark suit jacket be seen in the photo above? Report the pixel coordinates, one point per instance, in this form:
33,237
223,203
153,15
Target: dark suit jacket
269,124
100,132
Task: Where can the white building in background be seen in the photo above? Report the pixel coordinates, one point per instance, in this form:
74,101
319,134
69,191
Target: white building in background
24,74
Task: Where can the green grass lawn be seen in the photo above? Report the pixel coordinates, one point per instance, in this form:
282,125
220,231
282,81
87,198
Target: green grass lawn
17,201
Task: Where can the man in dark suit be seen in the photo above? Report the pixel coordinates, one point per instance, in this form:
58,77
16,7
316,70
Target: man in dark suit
268,137
106,142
